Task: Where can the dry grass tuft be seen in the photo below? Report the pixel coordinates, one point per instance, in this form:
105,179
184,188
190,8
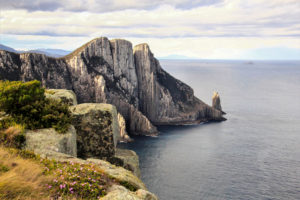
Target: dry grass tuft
24,179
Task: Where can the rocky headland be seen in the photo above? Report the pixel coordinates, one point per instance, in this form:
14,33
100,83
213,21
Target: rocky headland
89,142
114,72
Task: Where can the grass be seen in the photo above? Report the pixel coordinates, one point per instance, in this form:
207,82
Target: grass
24,175
21,178
13,136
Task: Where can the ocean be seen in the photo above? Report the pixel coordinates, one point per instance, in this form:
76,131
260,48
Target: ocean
255,154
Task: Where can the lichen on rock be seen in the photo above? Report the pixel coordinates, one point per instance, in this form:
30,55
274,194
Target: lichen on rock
63,95
97,129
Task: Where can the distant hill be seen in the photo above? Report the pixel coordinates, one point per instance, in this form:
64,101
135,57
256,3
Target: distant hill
6,48
48,52
176,57
51,52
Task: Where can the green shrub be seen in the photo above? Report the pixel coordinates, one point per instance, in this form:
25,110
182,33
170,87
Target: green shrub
26,104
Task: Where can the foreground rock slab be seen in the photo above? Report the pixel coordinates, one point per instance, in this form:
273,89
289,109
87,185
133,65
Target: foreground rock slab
120,174
43,141
130,160
118,192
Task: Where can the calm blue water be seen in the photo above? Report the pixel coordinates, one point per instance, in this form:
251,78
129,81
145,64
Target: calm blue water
255,154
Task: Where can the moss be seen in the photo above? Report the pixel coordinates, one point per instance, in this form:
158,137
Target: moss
128,186
49,92
3,168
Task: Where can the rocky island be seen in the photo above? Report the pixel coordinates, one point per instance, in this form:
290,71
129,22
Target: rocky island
114,72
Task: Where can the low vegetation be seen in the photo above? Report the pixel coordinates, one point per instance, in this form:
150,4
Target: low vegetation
21,178
24,175
26,104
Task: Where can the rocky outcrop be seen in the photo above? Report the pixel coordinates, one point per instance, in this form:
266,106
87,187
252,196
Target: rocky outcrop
64,96
43,141
129,160
111,71
119,174
124,137
118,192
97,129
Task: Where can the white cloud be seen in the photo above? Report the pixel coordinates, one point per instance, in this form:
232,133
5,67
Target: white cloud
218,29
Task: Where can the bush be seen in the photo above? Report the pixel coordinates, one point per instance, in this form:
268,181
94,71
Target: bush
26,104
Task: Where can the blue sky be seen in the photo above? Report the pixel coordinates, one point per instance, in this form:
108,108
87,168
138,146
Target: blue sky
208,29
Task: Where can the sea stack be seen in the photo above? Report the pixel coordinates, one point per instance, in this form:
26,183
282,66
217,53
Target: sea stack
216,101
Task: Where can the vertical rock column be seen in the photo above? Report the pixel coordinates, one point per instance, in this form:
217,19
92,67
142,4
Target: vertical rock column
216,101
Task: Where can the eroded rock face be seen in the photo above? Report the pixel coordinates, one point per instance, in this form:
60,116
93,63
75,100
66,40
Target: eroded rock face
47,141
124,137
97,129
164,99
53,73
104,71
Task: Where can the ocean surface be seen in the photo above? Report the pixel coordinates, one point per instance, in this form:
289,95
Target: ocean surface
255,154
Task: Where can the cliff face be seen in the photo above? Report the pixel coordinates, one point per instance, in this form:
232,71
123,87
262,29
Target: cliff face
164,99
111,71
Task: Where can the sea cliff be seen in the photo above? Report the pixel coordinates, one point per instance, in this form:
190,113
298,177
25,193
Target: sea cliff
114,72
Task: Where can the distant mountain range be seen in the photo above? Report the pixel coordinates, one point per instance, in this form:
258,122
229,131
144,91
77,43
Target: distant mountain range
56,53
6,48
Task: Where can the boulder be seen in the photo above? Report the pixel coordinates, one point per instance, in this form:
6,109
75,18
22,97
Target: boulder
46,141
97,129
118,192
129,160
119,173
65,96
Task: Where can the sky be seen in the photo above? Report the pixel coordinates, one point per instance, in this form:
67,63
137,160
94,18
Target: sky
205,29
